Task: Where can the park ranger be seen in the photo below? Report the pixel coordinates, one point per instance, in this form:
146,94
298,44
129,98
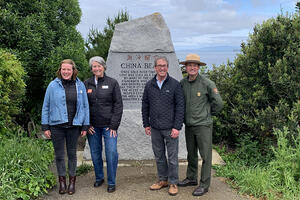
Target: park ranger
202,100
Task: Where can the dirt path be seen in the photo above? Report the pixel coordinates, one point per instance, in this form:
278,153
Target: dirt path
133,183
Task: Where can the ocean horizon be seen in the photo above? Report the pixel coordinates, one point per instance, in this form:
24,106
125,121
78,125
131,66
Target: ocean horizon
211,56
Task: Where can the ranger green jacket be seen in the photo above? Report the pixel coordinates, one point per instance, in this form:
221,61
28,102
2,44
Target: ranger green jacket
202,100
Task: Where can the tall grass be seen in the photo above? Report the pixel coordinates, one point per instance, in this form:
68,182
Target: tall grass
278,178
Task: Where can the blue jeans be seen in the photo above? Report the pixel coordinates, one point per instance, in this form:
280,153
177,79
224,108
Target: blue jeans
111,153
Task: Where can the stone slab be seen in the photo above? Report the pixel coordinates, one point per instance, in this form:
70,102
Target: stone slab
133,70
145,34
134,47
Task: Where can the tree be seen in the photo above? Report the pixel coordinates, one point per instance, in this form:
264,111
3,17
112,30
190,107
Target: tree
98,42
262,89
41,33
12,87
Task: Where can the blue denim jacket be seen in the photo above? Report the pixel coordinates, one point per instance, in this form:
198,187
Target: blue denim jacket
54,109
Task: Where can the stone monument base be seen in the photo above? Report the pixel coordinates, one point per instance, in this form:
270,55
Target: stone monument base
133,143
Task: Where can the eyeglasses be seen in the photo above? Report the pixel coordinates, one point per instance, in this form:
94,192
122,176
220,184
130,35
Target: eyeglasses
192,65
161,66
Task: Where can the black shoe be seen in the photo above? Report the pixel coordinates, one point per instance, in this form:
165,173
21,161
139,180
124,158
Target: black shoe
199,191
98,183
111,188
187,182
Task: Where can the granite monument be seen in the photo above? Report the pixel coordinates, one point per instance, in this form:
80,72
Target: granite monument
134,46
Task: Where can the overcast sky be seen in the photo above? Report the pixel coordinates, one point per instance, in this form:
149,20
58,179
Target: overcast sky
193,24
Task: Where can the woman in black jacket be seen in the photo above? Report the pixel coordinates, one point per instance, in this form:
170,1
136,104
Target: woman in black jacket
106,108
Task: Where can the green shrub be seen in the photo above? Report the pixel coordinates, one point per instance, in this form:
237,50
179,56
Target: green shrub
251,153
261,114
285,167
83,169
277,179
261,87
24,168
41,34
12,86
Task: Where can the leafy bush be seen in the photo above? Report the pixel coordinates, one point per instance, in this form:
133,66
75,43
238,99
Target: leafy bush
261,114
252,153
261,88
46,34
12,87
24,167
277,179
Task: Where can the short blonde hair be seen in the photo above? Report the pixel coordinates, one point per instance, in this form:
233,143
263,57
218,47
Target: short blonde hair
71,62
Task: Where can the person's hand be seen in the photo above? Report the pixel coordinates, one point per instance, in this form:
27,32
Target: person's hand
47,133
174,133
113,133
83,133
148,130
91,130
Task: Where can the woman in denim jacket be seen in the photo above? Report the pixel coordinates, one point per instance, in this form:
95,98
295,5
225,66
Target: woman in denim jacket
65,115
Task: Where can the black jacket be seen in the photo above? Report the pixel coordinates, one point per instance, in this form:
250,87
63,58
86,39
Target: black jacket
105,101
163,108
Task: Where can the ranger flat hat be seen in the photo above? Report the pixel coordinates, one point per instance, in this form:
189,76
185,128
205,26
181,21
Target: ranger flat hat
192,58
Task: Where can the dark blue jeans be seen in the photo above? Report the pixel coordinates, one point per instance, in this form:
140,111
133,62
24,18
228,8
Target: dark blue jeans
111,154
167,169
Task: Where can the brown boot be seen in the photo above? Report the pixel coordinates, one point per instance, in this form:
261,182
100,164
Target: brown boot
159,185
71,187
62,184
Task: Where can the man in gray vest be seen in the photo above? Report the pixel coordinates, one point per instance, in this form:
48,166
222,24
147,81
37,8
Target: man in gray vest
202,100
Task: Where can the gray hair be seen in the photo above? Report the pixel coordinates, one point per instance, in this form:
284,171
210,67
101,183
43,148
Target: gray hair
161,58
97,59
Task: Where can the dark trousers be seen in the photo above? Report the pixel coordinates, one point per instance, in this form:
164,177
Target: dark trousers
167,169
199,138
59,137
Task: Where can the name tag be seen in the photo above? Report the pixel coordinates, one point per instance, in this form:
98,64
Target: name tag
104,86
